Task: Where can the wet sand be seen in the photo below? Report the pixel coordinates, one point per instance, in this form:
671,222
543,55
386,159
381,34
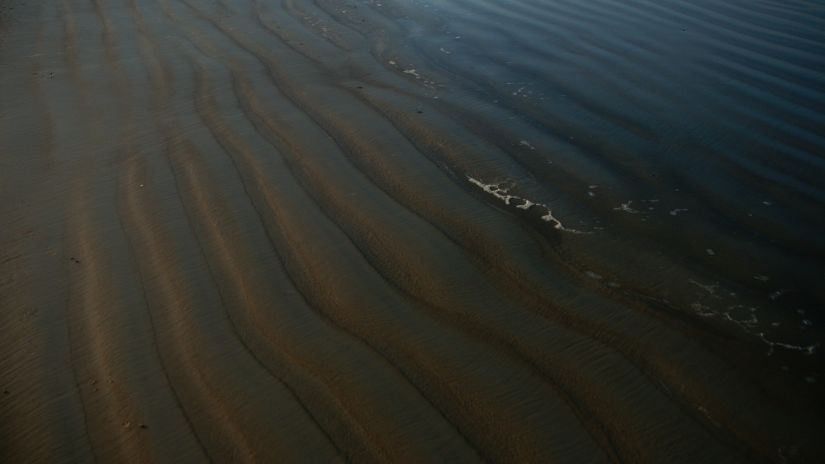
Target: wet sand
412,231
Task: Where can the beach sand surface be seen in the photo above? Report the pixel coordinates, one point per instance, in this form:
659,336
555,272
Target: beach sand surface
550,231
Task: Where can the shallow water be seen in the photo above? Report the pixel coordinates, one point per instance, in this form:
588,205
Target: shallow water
512,231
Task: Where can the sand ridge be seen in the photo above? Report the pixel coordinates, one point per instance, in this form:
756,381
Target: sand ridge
425,231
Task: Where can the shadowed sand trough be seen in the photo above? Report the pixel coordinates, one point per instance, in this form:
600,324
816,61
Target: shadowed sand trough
412,231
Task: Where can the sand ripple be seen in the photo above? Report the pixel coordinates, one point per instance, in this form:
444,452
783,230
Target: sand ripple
412,231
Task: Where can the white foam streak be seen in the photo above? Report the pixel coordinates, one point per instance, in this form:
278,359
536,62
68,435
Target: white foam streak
502,193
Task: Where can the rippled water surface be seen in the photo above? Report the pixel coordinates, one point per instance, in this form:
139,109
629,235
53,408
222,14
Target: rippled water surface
412,231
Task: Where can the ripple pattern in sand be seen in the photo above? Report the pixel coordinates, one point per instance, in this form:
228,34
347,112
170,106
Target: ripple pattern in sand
411,231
